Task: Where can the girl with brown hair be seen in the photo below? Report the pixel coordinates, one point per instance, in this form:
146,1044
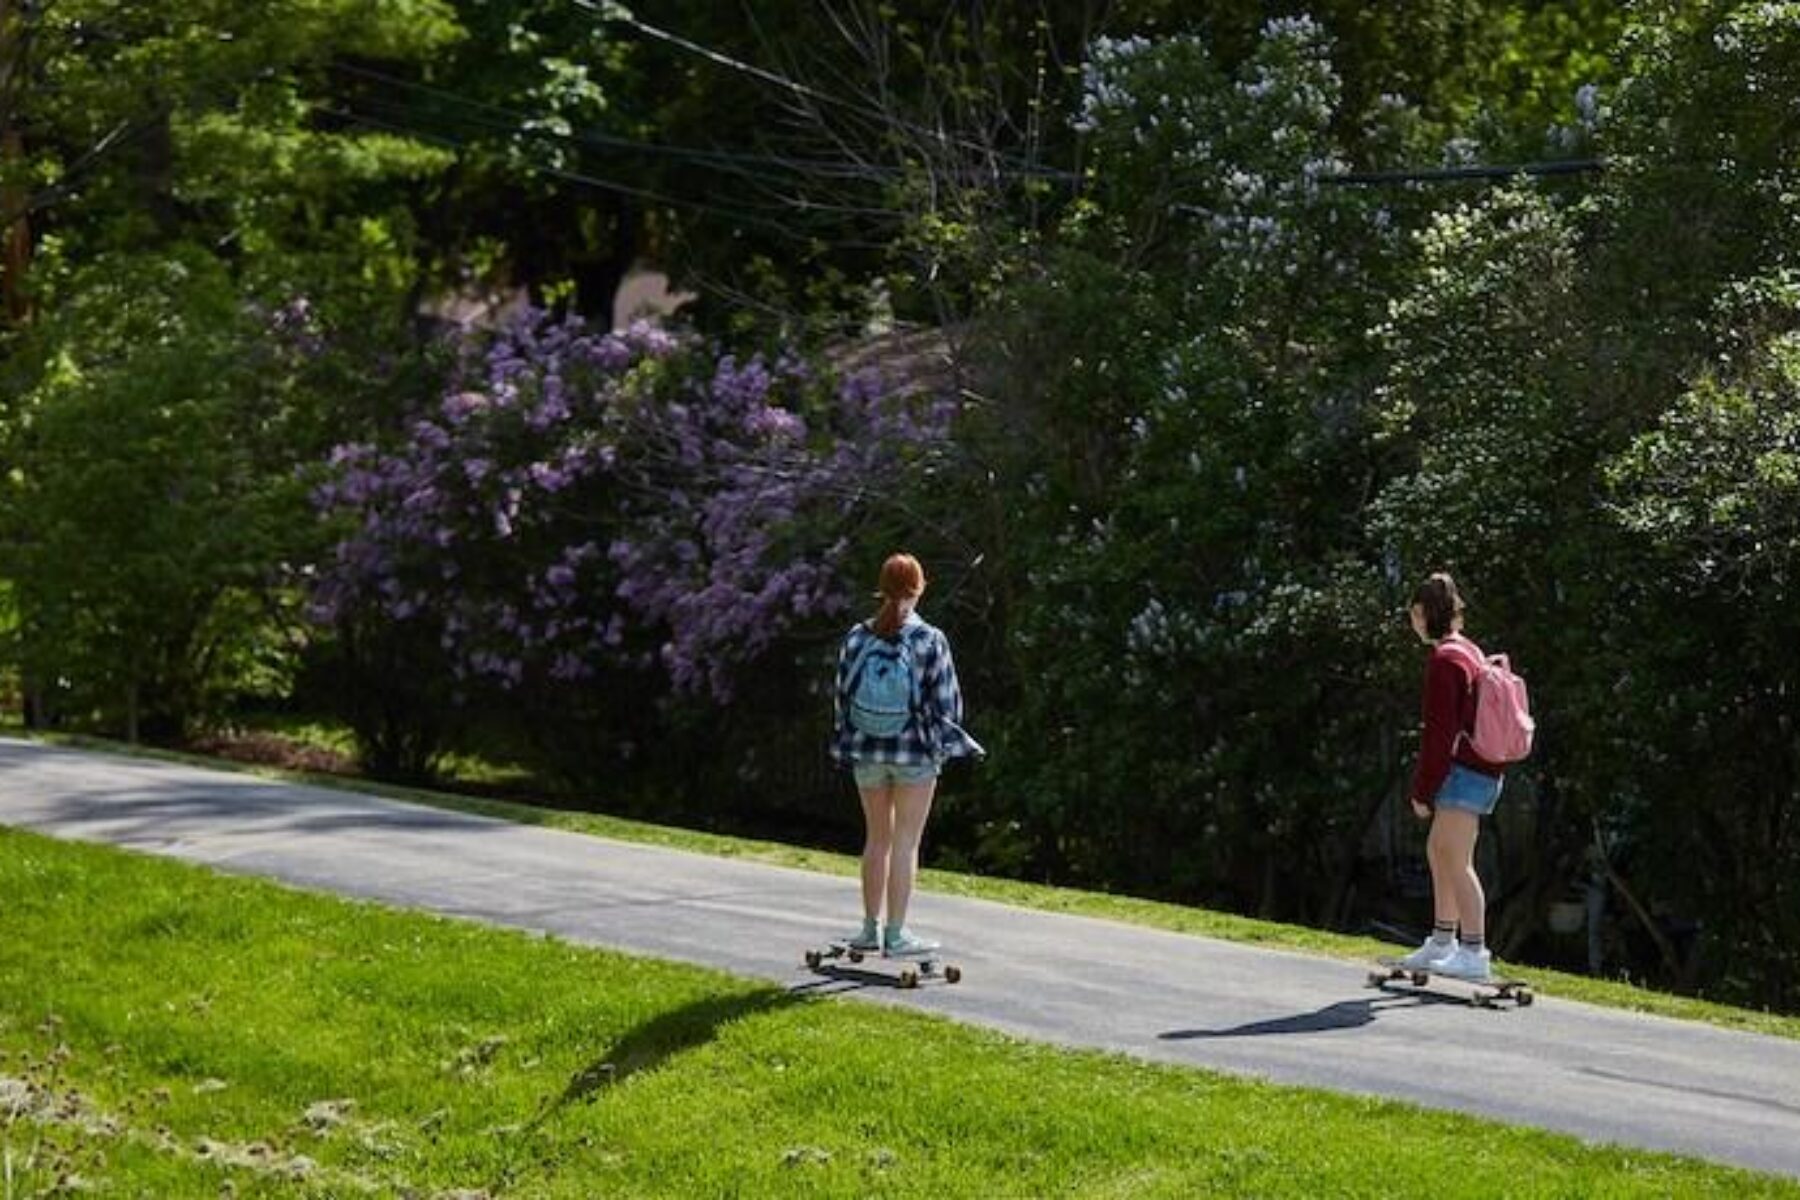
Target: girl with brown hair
1452,786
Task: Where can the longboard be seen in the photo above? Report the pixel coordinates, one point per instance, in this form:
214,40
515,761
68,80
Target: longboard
911,972
1488,992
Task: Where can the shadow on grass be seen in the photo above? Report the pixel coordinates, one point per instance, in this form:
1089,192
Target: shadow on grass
1345,1014
833,979
655,1042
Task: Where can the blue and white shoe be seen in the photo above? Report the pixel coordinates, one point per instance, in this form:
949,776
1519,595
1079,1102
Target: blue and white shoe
900,943
867,938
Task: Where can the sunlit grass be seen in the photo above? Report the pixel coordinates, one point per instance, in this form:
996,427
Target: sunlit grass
165,1030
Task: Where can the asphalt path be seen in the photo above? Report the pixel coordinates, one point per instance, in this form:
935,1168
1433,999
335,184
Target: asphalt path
1602,1074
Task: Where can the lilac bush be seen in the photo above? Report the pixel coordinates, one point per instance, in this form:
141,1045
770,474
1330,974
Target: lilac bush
581,501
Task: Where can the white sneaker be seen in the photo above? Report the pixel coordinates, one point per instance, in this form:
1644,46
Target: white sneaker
1476,966
1428,956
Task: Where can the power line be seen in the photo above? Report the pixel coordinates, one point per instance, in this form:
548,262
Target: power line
584,179
788,203
522,122
1573,166
519,123
611,10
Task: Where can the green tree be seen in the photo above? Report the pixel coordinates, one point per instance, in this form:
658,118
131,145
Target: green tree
1706,803
1191,434
154,498
221,275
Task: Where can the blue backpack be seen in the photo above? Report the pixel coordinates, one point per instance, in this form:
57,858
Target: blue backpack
884,691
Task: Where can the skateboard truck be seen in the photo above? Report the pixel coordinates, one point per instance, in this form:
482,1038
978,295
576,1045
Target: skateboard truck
912,971
1488,992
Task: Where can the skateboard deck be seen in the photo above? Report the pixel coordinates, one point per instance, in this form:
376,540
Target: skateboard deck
909,970
1488,992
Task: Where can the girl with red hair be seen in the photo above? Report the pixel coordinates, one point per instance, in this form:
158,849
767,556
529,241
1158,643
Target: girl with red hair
897,717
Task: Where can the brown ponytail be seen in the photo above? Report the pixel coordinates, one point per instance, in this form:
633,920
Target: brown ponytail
1441,604
902,578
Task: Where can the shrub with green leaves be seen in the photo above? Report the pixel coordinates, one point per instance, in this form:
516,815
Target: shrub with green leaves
151,499
1709,796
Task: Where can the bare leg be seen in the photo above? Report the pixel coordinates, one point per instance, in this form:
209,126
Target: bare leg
1443,887
1453,875
878,840
912,805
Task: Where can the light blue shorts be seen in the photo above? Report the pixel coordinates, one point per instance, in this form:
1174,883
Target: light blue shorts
1469,791
877,775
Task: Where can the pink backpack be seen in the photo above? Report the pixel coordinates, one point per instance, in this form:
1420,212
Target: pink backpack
1503,724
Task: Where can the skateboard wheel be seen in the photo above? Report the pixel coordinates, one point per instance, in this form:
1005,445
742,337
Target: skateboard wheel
813,959
1420,978
909,978
856,956
952,974
1524,997
1377,978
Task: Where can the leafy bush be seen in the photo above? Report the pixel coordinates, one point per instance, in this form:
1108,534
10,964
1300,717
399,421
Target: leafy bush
589,521
151,500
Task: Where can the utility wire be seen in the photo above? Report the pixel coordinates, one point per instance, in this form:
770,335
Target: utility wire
526,123
522,122
608,10
1573,166
611,10
463,128
788,203
584,179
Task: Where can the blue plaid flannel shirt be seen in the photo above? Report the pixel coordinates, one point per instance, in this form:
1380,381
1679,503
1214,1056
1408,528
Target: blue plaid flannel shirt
934,733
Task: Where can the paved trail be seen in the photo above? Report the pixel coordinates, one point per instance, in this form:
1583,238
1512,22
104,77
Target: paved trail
1598,1073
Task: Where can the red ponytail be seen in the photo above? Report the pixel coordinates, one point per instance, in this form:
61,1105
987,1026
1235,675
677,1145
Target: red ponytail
902,579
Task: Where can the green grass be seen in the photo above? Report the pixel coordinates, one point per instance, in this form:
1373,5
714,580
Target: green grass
166,1031
323,733
1134,910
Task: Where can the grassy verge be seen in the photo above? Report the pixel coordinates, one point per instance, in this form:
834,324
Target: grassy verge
167,1031
1156,914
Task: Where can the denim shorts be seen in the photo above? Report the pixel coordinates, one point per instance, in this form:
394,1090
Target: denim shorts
874,775
1470,791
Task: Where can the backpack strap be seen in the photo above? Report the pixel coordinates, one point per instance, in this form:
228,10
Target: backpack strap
1477,660
861,660
916,697
1477,664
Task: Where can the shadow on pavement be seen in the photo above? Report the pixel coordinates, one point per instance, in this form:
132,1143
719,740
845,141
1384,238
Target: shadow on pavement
166,808
1345,1014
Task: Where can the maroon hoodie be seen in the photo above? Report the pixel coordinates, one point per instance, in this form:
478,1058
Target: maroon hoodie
1449,710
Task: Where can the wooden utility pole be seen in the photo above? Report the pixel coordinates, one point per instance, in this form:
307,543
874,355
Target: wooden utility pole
15,223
